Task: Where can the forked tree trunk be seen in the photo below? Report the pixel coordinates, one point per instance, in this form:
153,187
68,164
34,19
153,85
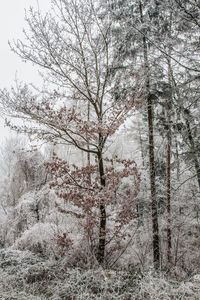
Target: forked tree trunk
155,228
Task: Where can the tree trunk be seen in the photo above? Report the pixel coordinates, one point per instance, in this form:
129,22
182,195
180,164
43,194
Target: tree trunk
88,145
193,150
155,227
168,187
102,225
177,160
169,243
156,242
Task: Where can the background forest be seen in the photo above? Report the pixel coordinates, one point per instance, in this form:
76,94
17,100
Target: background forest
100,186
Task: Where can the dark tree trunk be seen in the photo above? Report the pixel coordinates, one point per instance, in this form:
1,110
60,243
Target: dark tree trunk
102,208
169,243
88,145
193,149
177,160
169,137
156,242
155,227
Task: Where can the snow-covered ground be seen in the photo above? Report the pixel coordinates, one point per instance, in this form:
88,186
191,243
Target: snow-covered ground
25,276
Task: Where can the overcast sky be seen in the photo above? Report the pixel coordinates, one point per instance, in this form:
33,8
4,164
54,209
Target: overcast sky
11,26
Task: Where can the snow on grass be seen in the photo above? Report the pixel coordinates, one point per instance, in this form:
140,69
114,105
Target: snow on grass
25,276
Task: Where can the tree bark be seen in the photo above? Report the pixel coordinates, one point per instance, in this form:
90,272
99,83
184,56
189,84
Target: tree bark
155,227
169,137
169,243
102,208
88,144
156,242
193,150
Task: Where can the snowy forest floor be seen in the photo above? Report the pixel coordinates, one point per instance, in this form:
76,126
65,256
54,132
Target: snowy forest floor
26,276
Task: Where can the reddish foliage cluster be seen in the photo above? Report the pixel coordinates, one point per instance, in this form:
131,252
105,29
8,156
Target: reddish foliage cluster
81,187
54,121
64,242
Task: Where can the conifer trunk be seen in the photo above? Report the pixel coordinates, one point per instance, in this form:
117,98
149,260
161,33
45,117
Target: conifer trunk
169,243
169,133
193,150
155,227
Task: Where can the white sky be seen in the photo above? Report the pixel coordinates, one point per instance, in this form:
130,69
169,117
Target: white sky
11,25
